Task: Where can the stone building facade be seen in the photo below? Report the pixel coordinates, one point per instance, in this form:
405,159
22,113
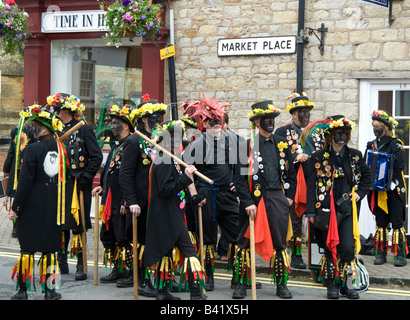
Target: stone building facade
359,43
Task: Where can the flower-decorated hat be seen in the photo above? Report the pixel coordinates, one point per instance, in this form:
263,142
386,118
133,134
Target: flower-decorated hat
168,127
126,114
263,108
41,114
328,125
298,102
385,118
149,106
70,102
189,110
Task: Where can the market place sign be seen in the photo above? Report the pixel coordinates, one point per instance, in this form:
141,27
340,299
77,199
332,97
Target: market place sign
257,46
73,21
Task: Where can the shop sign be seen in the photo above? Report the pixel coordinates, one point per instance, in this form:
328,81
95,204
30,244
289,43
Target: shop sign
257,46
73,21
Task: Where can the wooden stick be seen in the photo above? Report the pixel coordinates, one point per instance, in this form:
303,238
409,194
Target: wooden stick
201,237
83,238
135,255
72,130
96,236
252,249
181,162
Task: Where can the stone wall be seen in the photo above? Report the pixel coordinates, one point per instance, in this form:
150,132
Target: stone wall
359,39
11,99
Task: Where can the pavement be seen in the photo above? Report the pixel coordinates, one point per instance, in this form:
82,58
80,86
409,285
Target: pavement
384,274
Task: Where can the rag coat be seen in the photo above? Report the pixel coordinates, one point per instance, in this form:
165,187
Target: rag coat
165,221
36,198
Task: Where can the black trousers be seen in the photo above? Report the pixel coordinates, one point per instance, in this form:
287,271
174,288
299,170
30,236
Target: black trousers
116,233
222,208
346,247
396,213
277,211
184,245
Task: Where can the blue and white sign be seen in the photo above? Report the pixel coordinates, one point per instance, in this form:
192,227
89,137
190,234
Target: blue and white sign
383,3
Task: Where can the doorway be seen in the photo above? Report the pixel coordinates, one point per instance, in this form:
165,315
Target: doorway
392,96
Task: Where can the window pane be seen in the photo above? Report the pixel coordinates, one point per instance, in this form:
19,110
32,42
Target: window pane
402,131
402,105
386,101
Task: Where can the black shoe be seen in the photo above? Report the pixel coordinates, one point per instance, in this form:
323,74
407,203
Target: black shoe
165,295
381,258
349,293
240,291
283,292
113,276
126,283
209,282
146,288
297,262
52,295
258,285
400,262
20,295
62,263
332,291
79,274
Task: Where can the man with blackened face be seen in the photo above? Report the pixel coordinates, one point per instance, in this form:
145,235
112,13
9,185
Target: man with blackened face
134,181
267,187
113,231
299,109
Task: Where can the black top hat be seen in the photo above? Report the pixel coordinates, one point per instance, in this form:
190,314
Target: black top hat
299,102
384,117
263,108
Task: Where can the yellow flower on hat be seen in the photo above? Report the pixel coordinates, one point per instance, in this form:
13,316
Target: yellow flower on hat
124,111
300,103
150,108
57,124
258,111
44,114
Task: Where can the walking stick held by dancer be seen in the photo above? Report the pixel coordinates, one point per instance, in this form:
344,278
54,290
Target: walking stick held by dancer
72,130
96,235
135,255
252,249
181,162
83,238
201,236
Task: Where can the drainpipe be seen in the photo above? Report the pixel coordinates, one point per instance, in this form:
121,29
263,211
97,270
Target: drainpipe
171,68
301,40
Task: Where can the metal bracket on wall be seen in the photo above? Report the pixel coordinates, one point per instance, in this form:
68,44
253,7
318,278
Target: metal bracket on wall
322,31
391,18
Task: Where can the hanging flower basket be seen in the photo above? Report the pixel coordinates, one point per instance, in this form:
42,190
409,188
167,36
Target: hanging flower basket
130,19
14,30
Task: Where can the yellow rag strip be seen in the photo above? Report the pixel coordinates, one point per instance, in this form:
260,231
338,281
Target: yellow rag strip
75,206
356,232
382,201
22,119
61,183
290,231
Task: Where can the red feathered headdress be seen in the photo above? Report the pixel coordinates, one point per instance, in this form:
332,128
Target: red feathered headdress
207,108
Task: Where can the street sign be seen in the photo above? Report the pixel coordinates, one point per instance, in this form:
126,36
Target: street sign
257,46
73,21
383,3
167,52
